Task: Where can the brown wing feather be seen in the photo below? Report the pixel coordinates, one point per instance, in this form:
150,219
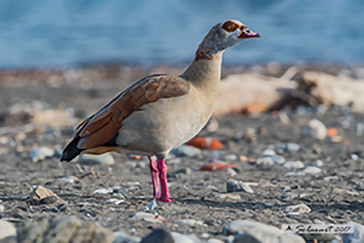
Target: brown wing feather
104,125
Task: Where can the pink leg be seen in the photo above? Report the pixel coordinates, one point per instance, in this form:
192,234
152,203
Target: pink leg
162,168
154,173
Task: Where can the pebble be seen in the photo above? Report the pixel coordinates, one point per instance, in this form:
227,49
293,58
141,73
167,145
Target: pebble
292,147
236,186
357,236
2,208
40,154
187,151
121,237
179,238
231,172
316,129
228,196
215,154
115,201
278,159
70,179
231,157
139,164
265,161
250,231
190,222
297,209
6,229
294,164
268,152
103,191
214,241
159,236
62,229
317,163
328,178
184,171
142,215
92,160
307,170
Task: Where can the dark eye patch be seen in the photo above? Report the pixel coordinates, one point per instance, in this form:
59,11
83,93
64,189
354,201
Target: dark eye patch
230,26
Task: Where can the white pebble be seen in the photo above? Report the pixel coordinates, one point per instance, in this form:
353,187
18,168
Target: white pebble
268,152
294,164
39,154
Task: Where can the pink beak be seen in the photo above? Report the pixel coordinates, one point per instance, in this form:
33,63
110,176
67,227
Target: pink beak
247,33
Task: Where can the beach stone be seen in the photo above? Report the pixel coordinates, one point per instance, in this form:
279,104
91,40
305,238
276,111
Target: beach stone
42,195
297,209
6,229
214,241
357,236
311,170
186,151
40,154
190,222
92,160
294,164
292,147
316,129
231,157
2,208
121,237
251,231
268,152
179,238
158,236
317,163
229,196
265,161
184,171
64,230
278,159
236,186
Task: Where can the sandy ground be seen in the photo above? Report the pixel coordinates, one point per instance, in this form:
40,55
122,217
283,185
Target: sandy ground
335,195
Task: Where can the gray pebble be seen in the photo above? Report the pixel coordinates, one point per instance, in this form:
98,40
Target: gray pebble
158,236
317,163
278,159
6,229
297,209
265,161
186,151
235,186
357,236
40,154
121,237
2,208
294,164
92,160
179,238
268,152
292,147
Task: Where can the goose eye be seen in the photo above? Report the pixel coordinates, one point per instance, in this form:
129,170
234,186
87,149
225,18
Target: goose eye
229,26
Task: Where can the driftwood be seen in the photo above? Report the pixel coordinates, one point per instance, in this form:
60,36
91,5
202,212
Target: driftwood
251,93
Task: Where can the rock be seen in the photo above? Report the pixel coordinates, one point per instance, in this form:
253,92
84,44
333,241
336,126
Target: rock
43,195
39,154
185,171
268,152
103,191
2,208
70,179
278,159
294,164
297,209
190,222
121,237
6,229
317,163
115,201
292,147
142,215
235,186
179,238
63,229
159,236
231,172
311,170
186,151
258,232
229,196
92,160
316,129
231,157
357,236
214,241
265,161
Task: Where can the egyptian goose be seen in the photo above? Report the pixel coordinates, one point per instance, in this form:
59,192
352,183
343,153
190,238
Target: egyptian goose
160,112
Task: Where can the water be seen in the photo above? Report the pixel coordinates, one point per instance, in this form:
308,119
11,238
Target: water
40,33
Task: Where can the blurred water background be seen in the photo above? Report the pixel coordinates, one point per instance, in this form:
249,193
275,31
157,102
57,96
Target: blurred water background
62,33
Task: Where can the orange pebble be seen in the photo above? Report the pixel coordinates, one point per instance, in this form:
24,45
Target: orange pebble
331,132
347,142
205,143
217,166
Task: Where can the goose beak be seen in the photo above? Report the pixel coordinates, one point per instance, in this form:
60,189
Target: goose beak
247,33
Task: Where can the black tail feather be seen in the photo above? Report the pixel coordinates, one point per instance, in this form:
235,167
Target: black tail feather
71,150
